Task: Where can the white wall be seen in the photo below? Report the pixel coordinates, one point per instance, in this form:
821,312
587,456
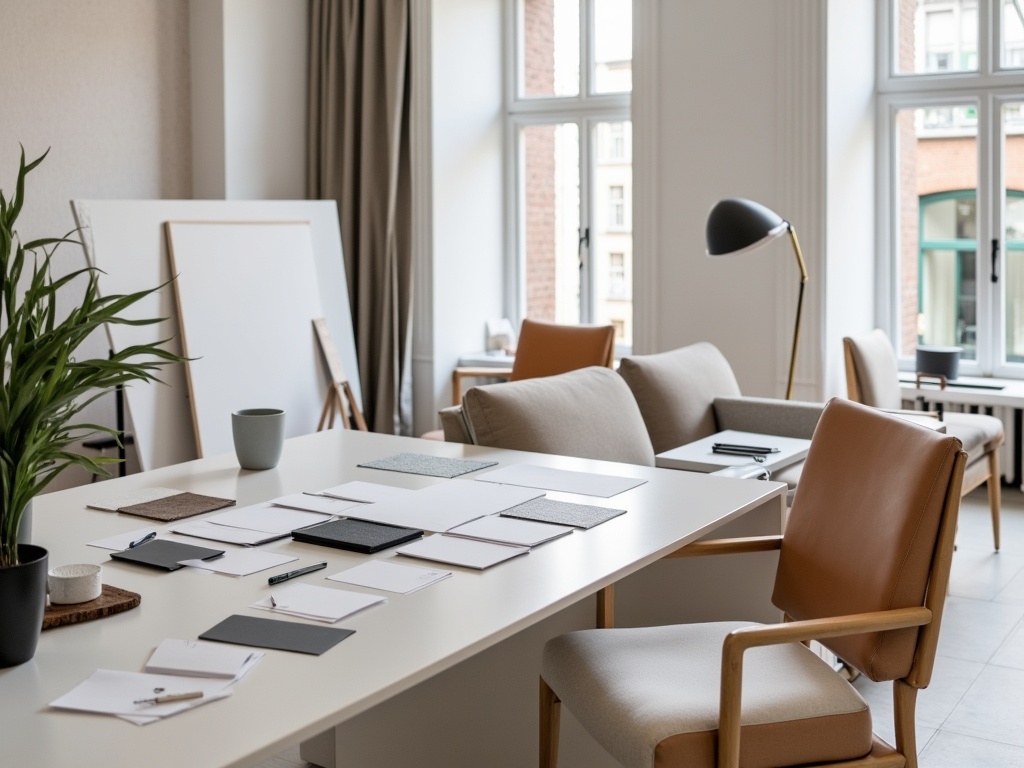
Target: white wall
465,259
105,85
249,98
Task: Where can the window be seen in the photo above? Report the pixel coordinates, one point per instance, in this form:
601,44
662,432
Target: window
569,145
952,213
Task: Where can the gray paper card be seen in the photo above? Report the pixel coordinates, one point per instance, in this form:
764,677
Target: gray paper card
563,513
421,464
279,635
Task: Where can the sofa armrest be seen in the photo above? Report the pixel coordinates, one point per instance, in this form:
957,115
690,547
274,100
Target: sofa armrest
453,422
767,415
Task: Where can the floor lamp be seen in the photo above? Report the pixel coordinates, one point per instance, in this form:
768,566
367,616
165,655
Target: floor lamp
736,225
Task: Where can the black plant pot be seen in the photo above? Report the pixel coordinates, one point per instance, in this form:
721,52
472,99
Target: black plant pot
22,604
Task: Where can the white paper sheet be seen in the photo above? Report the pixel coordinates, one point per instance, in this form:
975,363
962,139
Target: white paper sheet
128,498
319,603
311,502
458,551
267,517
565,480
443,506
391,577
204,529
114,692
199,658
241,562
509,530
122,540
359,490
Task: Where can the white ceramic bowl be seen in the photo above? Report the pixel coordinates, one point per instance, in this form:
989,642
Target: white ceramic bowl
78,583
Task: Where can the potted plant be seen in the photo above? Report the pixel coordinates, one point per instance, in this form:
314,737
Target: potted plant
44,389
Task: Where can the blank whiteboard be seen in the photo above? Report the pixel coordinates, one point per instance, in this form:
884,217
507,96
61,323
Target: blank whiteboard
125,239
247,297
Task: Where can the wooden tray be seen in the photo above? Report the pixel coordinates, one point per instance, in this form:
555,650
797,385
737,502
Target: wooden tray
111,600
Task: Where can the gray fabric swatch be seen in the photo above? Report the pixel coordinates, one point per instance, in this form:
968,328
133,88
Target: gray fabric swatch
421,464
546,510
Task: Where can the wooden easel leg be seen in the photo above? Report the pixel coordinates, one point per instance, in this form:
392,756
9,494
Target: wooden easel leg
323,411
550,716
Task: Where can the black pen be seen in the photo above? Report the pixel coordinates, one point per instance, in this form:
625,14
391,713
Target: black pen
745,448
292,574
143,540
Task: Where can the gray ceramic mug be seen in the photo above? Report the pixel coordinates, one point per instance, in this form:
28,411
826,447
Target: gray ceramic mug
259,437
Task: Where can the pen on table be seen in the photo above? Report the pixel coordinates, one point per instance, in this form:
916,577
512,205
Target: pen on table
163,699
143,540
292,574
747,448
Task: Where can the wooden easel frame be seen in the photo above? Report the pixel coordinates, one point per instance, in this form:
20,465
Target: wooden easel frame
341,399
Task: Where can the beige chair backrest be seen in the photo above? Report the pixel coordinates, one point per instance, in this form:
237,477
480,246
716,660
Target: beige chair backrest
546,349
872,371
863,532
676,390
588,412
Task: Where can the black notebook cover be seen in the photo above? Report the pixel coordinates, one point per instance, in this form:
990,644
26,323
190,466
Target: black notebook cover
279,635
161,553
356,535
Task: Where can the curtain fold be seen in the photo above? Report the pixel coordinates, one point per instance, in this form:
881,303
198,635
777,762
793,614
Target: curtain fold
359,156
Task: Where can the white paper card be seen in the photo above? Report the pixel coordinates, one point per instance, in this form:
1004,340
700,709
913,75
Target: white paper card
391,577
267,517
122,540
310,502
319,603
445,505
114,692
360,490
241,562
204,529
458,551
509,530
565,480
199,658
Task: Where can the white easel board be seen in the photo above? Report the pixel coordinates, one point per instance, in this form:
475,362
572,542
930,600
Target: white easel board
247,295
125,239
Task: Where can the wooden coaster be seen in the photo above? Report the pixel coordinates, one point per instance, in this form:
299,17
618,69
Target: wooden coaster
111,600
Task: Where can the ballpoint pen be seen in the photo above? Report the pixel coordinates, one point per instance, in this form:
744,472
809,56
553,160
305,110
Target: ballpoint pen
143,540
292,574
168,697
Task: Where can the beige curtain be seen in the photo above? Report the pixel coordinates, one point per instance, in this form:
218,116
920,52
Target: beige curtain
359,156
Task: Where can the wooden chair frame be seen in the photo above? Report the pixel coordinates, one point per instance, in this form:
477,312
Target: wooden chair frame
927,616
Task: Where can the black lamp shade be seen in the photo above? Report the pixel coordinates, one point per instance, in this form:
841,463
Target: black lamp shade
737,224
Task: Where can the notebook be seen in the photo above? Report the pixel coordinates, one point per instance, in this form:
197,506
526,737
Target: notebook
161,553
280,635
356,535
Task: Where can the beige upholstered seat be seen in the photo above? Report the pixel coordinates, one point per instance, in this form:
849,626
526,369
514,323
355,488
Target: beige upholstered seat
588,413
872,378
689,393
875,489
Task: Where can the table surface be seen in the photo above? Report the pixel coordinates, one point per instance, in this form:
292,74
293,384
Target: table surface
970,390
699,457
290,697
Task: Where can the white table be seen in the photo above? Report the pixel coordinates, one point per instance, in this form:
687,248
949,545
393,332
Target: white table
398,680
698,456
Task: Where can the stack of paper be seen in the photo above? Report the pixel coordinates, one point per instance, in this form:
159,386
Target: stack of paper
508,530
316,502
136,696
242,562
366,493
318,603
470,553
196,658
391,577
252,525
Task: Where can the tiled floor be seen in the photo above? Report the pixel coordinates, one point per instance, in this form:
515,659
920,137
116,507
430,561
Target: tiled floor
972,714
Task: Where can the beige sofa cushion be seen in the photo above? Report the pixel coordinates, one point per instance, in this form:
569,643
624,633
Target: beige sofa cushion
675,391
588,413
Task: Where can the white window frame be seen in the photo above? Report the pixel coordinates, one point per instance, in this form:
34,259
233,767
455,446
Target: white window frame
586,109
988,88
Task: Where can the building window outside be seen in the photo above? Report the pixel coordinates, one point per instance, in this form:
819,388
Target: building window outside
568,124
953,218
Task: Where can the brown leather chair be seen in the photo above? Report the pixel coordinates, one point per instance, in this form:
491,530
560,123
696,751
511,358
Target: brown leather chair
544,349
872,378
863,568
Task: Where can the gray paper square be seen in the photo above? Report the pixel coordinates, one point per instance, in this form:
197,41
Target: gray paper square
422,464
563,513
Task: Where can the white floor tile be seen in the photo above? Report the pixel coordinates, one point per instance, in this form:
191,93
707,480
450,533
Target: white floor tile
992,708
952,750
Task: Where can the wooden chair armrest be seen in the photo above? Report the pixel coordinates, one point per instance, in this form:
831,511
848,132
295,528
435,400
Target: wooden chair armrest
739,640
728,546
938,378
